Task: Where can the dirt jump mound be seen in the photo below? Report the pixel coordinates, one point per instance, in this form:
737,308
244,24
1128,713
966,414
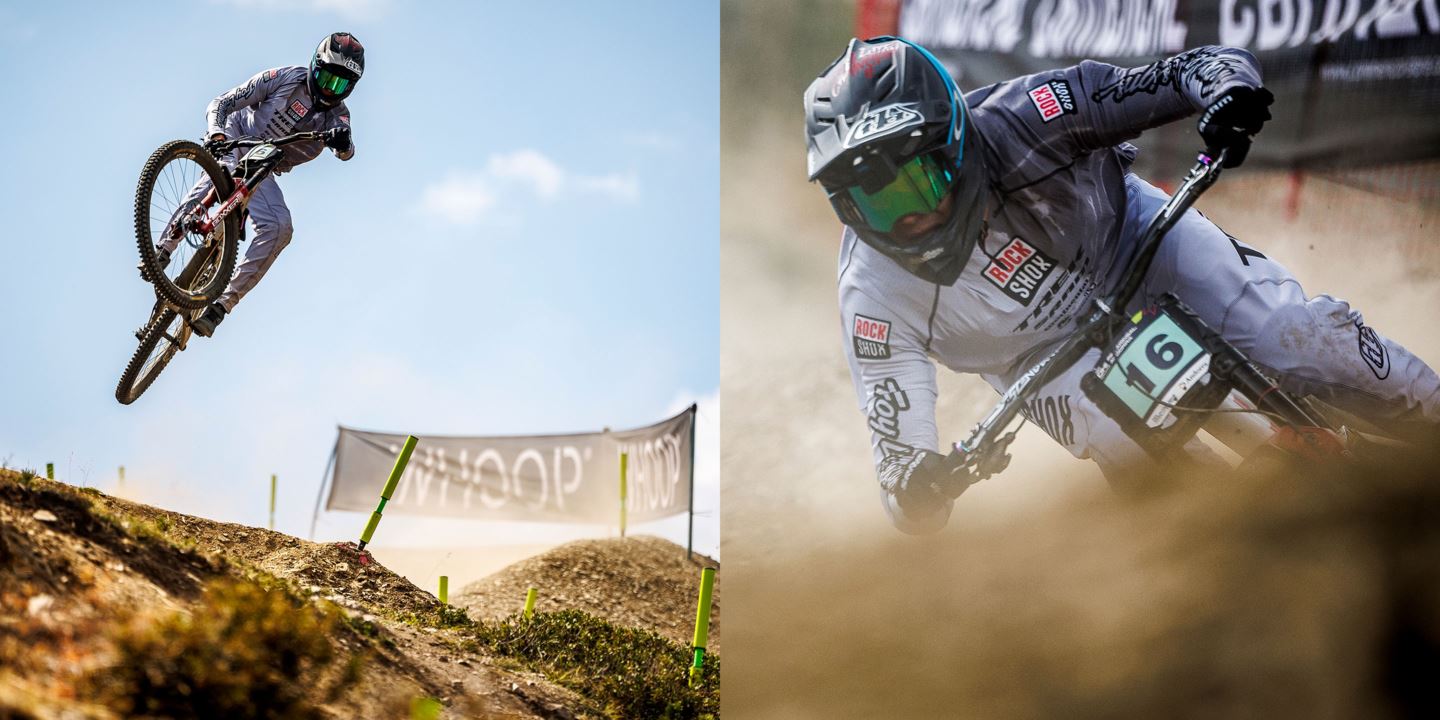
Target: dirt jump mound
639,581
112,609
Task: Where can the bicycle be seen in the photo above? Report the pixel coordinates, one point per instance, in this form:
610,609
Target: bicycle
1163,375
207,239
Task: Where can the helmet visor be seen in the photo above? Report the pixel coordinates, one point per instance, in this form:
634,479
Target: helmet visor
330,83
918,188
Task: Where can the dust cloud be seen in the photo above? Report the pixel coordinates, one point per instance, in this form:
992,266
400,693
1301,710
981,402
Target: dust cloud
1043,585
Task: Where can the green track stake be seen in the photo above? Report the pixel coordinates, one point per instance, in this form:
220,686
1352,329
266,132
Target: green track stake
624,460
389,490
529,603
49,471
272,501
444,589
702,624
425,708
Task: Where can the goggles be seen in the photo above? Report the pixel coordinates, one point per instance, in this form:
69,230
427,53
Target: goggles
918,188
330,83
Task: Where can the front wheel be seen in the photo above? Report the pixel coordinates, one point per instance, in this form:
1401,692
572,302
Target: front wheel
162,338
200,266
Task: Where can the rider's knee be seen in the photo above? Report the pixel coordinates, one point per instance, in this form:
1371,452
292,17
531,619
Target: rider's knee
281,229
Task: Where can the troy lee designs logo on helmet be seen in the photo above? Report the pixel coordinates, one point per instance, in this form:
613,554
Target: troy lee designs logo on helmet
883,121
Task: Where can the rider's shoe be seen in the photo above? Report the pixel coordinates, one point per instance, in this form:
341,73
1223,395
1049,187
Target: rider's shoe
204,326
162,258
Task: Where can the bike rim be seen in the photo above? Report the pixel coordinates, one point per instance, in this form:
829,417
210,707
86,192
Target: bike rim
167,198
165,347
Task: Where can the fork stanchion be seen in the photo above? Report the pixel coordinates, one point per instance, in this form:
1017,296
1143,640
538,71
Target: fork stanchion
702,624
389,490
49,471
444,590
529,603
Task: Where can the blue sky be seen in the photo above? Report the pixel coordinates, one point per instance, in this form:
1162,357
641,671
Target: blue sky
527,240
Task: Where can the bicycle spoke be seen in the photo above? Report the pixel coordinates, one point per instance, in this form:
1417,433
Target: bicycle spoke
167,346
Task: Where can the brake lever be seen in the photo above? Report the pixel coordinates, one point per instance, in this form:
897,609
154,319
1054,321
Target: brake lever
984,462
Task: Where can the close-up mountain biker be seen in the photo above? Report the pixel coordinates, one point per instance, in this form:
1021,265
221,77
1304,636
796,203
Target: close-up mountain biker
980,226
272,104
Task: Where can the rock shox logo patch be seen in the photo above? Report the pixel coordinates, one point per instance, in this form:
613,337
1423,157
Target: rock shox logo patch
882,121
1053,99
296,111
1020,269
872,338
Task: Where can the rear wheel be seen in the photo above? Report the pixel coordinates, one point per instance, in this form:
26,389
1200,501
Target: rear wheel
162,338
199,267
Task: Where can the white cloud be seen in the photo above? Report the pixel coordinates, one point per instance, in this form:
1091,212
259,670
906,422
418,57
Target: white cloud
464,197
346,9
529,167
460,198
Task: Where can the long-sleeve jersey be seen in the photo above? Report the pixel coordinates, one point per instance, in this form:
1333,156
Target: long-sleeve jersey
272,104
1064,218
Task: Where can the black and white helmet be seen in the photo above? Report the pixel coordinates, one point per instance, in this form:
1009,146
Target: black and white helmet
335,67
889,136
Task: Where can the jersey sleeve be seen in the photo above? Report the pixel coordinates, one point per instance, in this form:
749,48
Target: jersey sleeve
895,384
340,117
1094,105
253,91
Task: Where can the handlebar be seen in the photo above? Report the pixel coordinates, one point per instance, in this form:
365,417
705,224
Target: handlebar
225,146
984,453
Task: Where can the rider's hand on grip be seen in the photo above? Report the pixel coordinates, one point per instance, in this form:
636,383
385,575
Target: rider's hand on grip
1232,119
338,138
212,145
930,483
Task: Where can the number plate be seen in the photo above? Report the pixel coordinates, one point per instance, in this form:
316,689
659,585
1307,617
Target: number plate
1157,364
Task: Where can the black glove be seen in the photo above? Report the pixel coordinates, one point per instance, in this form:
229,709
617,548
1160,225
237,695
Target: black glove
1231,120
927,481
212,147
338,138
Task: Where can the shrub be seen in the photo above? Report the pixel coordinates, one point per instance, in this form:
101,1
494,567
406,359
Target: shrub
632,672
244,652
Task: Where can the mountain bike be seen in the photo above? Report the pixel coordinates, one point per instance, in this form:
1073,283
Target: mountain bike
1163,375
206,230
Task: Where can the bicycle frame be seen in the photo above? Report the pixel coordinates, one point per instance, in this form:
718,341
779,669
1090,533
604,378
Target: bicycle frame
244,186
984,454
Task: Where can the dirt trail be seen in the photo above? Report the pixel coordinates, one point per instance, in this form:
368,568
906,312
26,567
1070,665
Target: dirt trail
75,565
638,581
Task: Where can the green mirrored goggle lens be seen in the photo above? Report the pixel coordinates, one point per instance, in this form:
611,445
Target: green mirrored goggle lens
918,187
332,83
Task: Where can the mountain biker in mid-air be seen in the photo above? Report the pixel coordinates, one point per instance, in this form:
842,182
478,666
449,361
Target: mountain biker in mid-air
980,226
272,104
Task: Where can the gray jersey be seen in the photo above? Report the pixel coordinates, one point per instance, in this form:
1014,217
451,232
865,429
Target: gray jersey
272,104
1064,217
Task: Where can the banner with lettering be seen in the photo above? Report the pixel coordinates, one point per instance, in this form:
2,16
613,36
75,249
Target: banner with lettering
1356,82
538,478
